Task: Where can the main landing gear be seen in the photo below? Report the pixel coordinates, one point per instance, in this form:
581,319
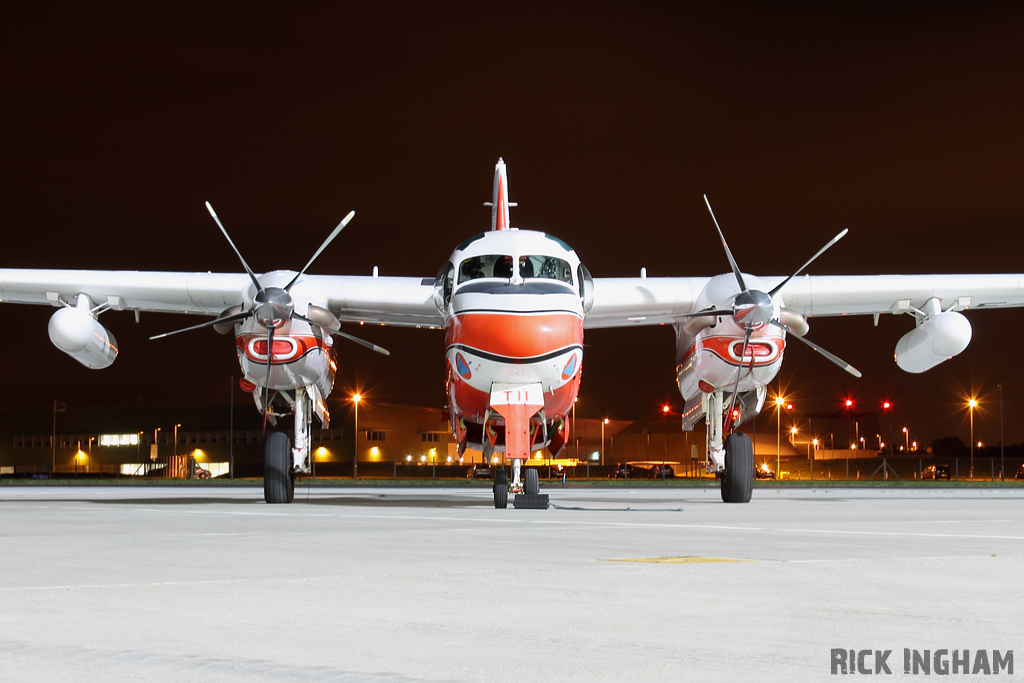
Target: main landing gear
278,478
281,460
738,478
733,457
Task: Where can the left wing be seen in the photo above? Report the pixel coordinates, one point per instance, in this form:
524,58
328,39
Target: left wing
203,293
391,300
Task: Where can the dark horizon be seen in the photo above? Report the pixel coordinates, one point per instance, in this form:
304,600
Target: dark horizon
901,123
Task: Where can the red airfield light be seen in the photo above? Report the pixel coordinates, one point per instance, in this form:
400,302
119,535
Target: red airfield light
849,403
886,405
664,409
789,406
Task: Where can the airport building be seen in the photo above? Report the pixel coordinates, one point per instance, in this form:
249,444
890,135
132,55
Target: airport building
399,441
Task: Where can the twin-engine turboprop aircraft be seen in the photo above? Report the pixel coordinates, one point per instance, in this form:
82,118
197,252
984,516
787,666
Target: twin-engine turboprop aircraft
514,305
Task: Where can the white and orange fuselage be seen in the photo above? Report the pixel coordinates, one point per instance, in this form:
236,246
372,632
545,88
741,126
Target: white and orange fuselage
513,330
513,303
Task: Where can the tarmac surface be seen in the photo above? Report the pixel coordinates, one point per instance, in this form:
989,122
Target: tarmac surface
433,584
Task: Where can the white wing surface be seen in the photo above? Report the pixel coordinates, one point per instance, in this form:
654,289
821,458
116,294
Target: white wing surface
390,300
622,302
203,293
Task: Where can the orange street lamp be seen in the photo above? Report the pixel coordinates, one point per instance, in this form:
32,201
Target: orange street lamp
779,402
602,440
356,398
971,404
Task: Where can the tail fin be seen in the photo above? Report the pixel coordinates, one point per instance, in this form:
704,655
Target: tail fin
499,198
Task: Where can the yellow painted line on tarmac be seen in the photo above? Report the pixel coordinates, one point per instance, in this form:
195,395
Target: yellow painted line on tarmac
690,559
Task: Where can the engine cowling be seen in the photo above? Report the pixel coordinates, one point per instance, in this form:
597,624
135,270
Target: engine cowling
935,340
78,334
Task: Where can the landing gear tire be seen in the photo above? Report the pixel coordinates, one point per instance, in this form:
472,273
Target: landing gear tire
500,488
738,479
531,483
278,480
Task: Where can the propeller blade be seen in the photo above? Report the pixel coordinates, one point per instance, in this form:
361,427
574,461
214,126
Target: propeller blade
330,238
739,371
324,324
319,316
728,253
259,287
209,323
809,262
835,359
363,342
266,385
337,330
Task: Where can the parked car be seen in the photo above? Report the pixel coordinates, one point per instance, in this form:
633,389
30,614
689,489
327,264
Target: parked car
934,472
480,471
626,472
559,472
661,472
764,472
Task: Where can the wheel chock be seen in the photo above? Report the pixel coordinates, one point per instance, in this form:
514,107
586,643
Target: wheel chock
526,501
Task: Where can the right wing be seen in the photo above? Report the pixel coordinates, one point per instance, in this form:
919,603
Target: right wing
624,302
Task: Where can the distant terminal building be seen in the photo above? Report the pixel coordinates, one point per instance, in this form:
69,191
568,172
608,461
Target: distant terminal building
123,440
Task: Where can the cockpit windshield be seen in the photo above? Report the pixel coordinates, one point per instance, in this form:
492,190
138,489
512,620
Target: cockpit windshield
490,265
547,267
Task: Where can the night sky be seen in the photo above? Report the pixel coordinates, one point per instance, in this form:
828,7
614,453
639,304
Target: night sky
902,122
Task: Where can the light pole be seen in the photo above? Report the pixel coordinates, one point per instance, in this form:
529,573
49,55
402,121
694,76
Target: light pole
849,421
176,438
603,423
355,453
574,434
971,404
906,434
886,405
779,401
1002,463
664,409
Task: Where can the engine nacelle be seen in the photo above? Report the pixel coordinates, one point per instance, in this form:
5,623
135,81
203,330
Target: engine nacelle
76,333
935,340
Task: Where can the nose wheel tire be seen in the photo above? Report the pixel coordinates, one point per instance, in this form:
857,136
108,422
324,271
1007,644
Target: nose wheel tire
278,480
738,479
500,488
531,483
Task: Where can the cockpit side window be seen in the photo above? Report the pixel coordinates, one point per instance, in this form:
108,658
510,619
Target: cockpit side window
546,267
449,281
490,265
